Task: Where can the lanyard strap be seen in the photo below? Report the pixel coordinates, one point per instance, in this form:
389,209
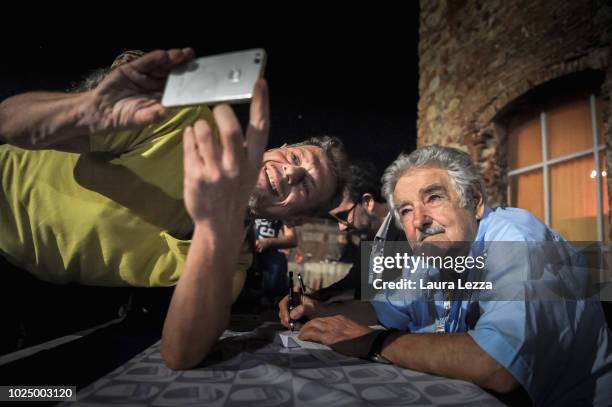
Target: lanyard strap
454,317
449,322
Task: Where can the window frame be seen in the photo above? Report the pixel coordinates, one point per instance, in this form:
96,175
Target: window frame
546,163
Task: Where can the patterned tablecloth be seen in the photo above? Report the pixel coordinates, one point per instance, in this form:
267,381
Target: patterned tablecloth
253,369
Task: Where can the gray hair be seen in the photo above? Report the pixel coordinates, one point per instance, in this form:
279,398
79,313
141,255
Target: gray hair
463,173
93,79
90,81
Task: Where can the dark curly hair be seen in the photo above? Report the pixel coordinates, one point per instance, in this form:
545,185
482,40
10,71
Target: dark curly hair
364,179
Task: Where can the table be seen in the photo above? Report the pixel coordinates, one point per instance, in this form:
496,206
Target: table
251,368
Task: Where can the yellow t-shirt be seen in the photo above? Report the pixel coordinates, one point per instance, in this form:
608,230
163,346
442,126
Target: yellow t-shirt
110,217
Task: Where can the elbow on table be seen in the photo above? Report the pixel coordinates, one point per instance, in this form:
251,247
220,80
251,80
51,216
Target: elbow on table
500,381
176,362
184,348
179,358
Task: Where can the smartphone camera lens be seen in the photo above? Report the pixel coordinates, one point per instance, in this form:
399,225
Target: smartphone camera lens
257,60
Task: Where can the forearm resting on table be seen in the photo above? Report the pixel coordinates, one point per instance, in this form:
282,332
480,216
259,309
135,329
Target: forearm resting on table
361,312
39,120
200,307
454,355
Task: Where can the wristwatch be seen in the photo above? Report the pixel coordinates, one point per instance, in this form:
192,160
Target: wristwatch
375,354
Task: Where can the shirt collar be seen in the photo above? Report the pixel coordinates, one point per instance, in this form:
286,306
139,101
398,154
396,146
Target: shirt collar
483,223
382,230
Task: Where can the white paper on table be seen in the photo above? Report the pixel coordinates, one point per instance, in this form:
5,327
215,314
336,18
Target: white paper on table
290,339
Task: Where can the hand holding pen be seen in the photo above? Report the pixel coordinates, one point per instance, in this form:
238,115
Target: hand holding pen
293,301
298,301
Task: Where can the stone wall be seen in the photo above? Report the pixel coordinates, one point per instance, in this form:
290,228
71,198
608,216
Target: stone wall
477,57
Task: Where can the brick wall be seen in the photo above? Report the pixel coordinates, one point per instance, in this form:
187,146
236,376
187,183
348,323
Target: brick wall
477,57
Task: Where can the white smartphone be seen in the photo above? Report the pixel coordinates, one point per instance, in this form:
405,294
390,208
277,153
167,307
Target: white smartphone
214,79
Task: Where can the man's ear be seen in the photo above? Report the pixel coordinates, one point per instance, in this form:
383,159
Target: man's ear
368,202
480,206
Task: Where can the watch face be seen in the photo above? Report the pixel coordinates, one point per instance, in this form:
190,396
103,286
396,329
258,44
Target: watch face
378,358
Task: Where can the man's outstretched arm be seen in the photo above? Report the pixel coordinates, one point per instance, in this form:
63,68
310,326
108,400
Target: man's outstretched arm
128,98
219,178
200,306
454,355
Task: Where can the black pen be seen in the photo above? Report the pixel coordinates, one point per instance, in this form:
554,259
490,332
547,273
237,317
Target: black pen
290,303
302,286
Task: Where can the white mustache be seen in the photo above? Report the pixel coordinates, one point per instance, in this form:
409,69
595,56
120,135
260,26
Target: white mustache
429,231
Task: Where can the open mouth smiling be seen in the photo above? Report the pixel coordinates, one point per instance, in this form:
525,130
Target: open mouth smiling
273,185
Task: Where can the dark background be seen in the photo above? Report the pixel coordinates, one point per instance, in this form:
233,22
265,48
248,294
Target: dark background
350,73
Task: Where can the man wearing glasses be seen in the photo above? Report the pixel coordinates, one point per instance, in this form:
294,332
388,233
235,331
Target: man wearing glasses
363,209
364,212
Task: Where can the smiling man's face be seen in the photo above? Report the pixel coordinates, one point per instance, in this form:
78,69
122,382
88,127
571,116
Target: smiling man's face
430,210
292,181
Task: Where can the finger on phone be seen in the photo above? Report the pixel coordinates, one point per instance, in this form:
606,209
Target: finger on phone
206,147
259,123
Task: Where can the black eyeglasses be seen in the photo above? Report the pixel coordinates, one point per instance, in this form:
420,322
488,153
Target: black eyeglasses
342,216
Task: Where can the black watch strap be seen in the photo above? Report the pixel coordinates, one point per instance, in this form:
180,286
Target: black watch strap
377,344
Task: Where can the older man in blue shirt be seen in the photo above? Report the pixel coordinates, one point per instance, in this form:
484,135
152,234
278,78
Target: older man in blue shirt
537,327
